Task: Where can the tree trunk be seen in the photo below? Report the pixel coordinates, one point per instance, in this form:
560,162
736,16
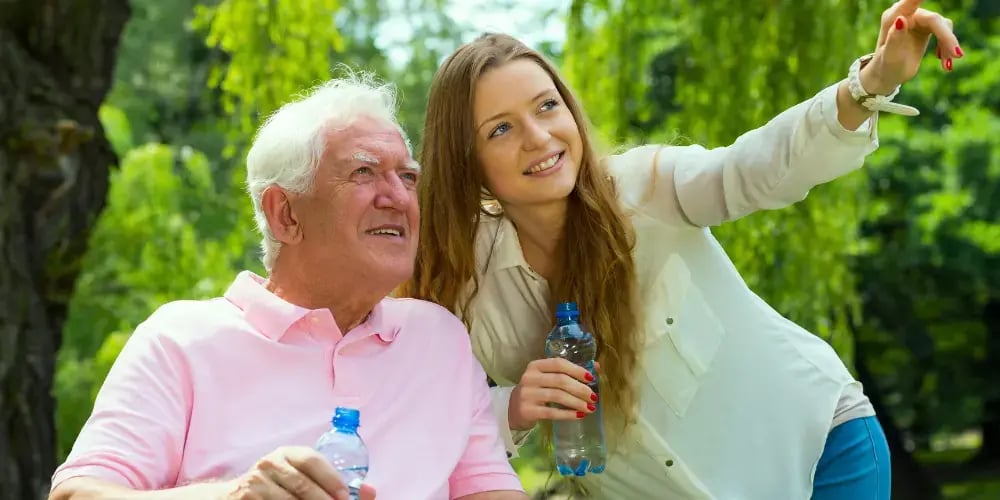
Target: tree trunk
990,371
56,64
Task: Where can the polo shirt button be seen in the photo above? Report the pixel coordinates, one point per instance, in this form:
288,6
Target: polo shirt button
509,454
669,463
670,321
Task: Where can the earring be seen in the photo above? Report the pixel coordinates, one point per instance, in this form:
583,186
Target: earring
488,203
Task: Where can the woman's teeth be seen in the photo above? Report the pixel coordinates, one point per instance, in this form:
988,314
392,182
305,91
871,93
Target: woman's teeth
545,165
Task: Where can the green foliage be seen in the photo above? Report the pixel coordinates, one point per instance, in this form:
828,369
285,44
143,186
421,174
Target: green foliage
160,78
276,48
117,129
935,240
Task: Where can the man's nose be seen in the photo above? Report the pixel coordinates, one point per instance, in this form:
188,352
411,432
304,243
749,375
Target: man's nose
392,192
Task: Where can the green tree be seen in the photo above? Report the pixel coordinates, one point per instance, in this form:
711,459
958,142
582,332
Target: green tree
161,75
931,282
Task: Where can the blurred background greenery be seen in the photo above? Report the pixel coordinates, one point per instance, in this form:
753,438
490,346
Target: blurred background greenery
897,265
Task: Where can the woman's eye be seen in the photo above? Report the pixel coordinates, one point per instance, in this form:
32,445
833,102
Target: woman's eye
500,129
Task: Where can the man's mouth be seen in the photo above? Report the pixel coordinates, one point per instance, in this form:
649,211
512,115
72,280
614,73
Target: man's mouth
387,230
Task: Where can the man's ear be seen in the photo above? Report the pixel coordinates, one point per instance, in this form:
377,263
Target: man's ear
281,216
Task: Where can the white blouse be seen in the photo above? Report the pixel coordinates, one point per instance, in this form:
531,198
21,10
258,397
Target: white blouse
735,401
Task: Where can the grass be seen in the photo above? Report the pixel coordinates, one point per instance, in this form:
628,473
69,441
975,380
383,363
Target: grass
975,490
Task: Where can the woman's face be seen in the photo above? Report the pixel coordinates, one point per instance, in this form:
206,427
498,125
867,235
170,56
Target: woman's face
527,140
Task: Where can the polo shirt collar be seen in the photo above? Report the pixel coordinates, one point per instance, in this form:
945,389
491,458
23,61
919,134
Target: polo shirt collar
273,316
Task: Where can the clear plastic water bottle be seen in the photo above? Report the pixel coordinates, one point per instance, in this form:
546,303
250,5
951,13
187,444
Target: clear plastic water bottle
579,444
344,449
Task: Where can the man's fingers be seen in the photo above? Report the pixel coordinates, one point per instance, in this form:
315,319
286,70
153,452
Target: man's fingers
294,483
367,493
318,471
269,481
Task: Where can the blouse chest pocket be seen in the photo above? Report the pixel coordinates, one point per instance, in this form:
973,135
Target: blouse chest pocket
683,335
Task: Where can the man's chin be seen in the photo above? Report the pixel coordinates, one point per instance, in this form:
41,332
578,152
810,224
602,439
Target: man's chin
392,269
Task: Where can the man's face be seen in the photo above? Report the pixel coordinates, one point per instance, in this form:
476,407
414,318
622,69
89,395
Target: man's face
361,218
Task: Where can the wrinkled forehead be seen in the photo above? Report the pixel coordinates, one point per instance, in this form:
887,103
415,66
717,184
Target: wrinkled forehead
368,141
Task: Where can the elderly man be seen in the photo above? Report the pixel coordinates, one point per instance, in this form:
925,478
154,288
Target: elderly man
224,398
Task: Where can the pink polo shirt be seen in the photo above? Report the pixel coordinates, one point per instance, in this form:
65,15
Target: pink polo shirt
203,389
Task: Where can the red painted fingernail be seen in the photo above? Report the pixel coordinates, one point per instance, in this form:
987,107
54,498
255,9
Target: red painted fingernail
591,407
899,23
580,414
593,397
947,64
958,51
589,377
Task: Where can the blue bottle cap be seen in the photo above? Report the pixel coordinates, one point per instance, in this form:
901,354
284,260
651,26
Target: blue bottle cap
567,310
346,418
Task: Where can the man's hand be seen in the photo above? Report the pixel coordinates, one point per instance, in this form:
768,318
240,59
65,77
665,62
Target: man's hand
293,473
496,495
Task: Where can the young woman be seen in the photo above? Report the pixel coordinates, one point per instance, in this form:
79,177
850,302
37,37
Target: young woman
707,392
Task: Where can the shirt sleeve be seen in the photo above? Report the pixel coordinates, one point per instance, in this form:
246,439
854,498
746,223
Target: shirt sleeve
512,440
770,167
484,465
135,434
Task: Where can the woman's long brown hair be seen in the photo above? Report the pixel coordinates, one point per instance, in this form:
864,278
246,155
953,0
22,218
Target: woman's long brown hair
596,244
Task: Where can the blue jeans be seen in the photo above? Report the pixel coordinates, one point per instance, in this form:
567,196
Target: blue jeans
855,463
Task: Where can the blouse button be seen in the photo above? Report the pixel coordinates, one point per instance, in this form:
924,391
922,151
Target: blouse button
669,463
670,321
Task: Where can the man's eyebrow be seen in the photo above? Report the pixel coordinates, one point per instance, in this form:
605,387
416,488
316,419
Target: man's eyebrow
365,157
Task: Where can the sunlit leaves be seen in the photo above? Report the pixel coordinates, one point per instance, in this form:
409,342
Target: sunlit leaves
276,48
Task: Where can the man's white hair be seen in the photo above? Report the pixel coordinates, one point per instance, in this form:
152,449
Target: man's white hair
289,145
